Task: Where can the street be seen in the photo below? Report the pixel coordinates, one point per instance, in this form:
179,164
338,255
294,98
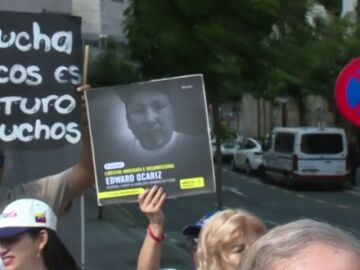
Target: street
114,241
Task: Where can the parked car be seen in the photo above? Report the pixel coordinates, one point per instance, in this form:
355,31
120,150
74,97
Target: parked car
248,156
300,154
227,149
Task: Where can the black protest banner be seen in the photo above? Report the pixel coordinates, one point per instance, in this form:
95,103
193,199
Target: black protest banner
150,133
40,66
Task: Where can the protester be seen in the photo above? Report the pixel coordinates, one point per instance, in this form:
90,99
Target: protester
28,238
57,190
303,244
225,237
150,203
222,239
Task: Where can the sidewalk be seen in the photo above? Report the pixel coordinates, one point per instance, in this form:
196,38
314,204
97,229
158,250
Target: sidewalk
113,242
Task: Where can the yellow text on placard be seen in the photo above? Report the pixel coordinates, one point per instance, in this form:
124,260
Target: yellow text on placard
120,193
192,183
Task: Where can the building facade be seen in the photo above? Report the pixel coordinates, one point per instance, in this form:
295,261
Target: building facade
101,19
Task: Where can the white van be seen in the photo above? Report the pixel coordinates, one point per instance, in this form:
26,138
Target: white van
306,154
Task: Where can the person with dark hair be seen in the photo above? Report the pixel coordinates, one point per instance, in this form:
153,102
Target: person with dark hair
28,238
155,136
150,116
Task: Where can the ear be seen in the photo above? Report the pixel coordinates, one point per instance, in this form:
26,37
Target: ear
43,239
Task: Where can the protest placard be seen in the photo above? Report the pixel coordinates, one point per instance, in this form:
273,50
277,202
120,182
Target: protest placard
150,133
39,69
40,66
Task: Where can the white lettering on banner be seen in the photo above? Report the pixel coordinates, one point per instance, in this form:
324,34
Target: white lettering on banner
26,132
73,71
64,104
149,176
61,41
18,74
121,179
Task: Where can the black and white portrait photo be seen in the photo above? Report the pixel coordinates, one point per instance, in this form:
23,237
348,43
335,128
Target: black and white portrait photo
158,124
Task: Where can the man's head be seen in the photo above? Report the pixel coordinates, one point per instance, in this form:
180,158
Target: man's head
303,244
150,116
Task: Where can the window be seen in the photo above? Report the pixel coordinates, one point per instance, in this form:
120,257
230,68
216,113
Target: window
249,145
284,142
322,143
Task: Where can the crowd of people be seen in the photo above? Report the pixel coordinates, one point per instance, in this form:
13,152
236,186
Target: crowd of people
238,240
231,239
29,213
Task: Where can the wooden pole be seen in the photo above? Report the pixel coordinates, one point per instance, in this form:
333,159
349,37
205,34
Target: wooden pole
82,199
85,64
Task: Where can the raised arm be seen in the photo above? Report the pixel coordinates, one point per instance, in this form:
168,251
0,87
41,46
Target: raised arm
150,203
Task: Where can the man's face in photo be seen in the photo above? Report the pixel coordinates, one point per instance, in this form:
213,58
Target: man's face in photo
150,117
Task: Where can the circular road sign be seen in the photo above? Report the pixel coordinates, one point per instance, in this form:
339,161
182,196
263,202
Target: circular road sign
347,91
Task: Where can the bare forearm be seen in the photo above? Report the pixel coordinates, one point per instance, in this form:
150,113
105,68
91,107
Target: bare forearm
150,253
150,203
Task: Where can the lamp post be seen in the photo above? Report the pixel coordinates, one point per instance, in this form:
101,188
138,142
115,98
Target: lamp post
283,101
320,117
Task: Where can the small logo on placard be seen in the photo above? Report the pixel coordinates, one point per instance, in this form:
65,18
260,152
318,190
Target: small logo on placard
114,165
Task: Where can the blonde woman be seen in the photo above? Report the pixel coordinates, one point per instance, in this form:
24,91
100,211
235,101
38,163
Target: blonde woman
224,238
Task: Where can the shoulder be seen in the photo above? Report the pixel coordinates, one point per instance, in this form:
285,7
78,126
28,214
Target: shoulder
62,178
56,190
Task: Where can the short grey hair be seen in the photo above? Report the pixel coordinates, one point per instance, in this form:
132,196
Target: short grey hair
285,241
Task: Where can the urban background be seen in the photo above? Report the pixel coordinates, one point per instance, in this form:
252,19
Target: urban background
280,91
266,63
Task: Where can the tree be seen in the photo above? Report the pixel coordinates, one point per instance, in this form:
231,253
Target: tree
309,50
112,67
224,40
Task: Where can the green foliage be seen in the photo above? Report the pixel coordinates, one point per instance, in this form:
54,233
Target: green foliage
225,132
267,47
222,40
308,56
112,67
333,6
